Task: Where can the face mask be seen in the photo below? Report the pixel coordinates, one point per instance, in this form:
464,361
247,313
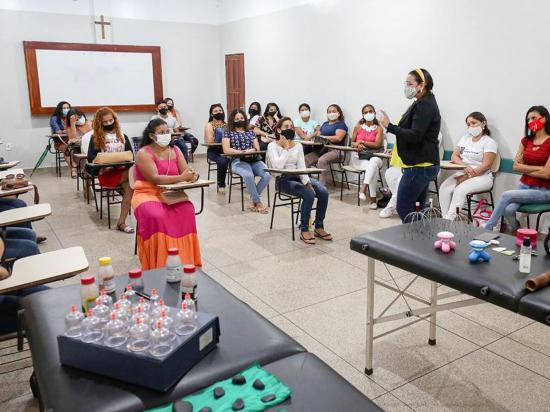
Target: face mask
475,131
253,112
81,120
170,106
65,112
369,117
164,140
535,125
272,112
109,127
240,124
410,92
218,116
333,116
305,114
163,111
288,134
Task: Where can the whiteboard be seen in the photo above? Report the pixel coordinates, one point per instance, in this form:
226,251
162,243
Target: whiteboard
95,78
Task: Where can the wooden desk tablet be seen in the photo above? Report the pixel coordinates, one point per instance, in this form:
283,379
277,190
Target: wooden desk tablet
13,192
294,172
187,185
45,268
383,155
448,165
310,143
259,152
9,165
104,165
341,148
25,214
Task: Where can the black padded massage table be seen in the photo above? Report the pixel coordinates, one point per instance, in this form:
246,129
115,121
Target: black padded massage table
246,337
411,247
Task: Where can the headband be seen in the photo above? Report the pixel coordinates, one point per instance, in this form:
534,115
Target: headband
421,74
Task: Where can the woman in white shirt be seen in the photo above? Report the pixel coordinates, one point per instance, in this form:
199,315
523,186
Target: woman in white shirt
285,153
306,127
477,151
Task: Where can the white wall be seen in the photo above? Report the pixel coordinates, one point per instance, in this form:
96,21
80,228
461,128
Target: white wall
191,63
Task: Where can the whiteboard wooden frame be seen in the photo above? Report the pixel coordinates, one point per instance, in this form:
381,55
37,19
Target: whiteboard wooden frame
33,83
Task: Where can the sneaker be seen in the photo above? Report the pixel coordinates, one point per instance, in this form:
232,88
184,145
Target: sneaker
362,196
388,211
373,206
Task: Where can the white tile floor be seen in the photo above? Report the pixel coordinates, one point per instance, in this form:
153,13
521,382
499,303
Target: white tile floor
486,358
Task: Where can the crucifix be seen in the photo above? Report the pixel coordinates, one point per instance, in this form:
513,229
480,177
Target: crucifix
103,23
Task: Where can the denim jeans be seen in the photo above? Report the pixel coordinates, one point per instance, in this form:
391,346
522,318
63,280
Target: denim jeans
294,186
188,137
511,200
8,203
9,304
222,163
20,242
180,144
248,171
413,188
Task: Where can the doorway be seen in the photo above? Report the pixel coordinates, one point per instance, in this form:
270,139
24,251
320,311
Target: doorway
234,81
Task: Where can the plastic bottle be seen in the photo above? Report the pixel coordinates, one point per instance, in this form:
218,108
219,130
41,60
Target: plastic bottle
139,336
73,323
189,283
115,332
106,275
122,314
125,304
168,323
106,299
102,312
136,280
91,328
190,303
88,292
185,321
173,266
160,341
130,295
525,256
154,300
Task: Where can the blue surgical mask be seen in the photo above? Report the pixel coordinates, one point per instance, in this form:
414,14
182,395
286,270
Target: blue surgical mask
65,112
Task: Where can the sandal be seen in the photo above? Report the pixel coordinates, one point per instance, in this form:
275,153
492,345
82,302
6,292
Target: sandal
305,240
327,237
263,211
125,228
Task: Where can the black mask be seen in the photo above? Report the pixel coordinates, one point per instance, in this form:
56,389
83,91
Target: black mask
253,112
170,106
163,111
272,113
240,124
109,127
218,116
288,134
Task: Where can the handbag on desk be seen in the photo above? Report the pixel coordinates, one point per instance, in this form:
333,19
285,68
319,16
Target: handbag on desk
172,197
367,154
114,157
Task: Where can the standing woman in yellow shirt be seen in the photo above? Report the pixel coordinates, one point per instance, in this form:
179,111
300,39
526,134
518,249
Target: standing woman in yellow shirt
416,141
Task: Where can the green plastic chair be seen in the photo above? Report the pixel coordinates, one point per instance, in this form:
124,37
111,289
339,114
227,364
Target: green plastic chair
535,209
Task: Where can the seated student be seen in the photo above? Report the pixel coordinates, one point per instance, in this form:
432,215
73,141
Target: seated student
237,140
286,153
161,225
254,111
367,134
58,125
213,133
77,126
306,127
163,112
533,160
393,178
335,130
188,137
9,303
265,125
107,137
476,150
9,203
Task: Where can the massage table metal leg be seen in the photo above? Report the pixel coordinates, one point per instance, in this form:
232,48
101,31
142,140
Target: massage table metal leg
370,315
433,317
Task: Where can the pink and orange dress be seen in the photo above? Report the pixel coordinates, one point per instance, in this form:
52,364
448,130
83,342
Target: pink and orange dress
162,226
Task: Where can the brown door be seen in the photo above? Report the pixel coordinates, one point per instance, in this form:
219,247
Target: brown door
234,81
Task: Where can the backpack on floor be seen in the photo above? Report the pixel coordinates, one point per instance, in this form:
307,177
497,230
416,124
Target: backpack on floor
482,213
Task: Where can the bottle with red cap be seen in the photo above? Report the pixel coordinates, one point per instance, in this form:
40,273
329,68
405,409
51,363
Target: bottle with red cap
173,265
73,322
189,283
136,280
89,292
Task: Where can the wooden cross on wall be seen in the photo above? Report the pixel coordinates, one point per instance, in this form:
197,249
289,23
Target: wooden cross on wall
103,23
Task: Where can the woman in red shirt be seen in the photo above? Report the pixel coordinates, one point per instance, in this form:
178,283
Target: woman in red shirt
533,160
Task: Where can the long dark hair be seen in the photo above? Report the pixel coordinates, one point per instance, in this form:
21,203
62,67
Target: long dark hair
59,109
267,109
280,124
78,113
231,119
480,117
428,80
304,105
543,111
258,105
210,117
149,130
363,121
340,112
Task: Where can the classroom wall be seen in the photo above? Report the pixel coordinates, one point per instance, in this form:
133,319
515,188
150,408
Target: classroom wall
484,55
190,71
